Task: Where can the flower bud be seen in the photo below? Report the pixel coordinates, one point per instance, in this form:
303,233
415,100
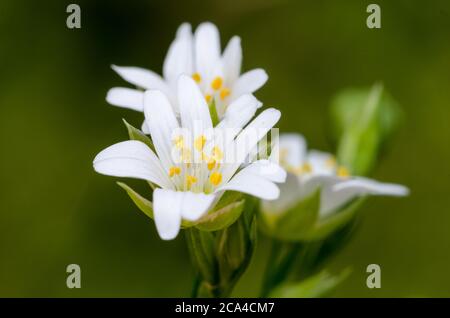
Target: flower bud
362,121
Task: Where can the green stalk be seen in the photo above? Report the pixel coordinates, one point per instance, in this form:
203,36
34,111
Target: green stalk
281,258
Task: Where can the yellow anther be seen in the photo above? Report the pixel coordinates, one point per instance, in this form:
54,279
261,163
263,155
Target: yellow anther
216,84
196,77
330,162
200,143
186,155
215,178
204,157
190,180
306,168
343,172
208,98
211,164
217,153
174,171
178,142
224,92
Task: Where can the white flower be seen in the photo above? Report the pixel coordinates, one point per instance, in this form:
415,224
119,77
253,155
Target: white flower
307,171
197,55
189,188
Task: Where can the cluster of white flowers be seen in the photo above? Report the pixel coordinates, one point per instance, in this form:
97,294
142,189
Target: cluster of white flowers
187,164
178,119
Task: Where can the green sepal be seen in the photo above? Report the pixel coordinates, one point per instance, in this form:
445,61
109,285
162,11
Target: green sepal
201,250
328,225
142,203
296,222
136,134
234,247
319,285
221,218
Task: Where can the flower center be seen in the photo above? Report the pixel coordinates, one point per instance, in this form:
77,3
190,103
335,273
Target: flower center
197,168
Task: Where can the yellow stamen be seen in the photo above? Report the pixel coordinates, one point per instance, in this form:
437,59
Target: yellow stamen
216,84
208,98
204,157
211,164
224,92
186,155
306,168
179,142
174,171
343,172
196,77
190,180
215,178
200,143
217,153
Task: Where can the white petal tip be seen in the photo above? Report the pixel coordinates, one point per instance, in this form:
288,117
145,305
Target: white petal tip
168,236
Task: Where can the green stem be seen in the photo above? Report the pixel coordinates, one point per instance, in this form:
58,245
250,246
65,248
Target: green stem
281,259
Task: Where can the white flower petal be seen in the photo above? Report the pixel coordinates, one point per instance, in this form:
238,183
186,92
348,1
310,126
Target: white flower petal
131,159
249,183
141,77
232,60
162,123
179,58
207,48
240,112
292,148
320,162
345,190
289,196
195,205
249,82
311,183
248,138
184,29
194,110
144,128
267,169
126,97
167,212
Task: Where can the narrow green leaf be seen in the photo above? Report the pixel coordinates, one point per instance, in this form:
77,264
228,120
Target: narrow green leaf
136,134
142,203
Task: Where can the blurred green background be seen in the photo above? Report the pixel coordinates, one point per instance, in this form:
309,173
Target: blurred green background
54,210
